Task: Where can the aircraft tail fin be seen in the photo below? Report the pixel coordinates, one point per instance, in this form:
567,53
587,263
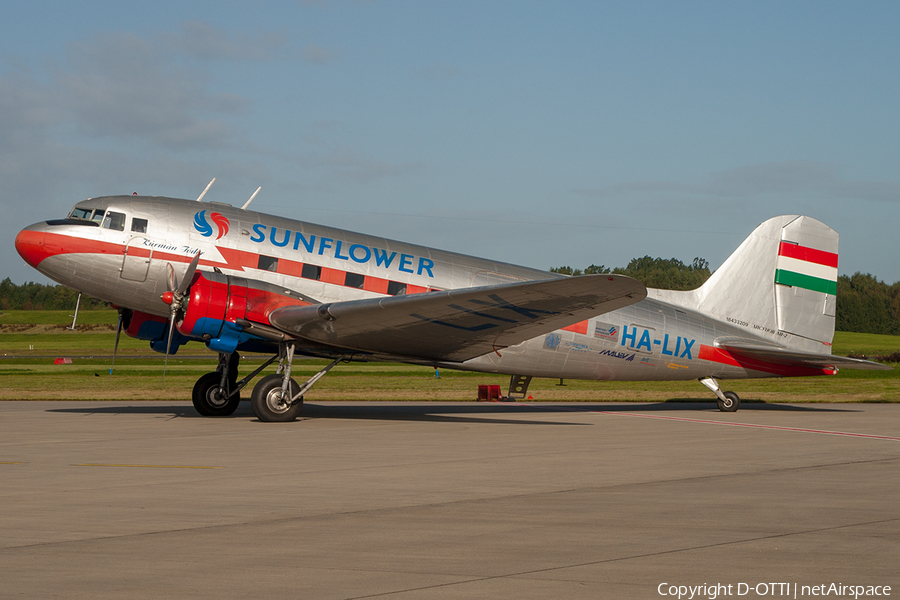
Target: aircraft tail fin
781,284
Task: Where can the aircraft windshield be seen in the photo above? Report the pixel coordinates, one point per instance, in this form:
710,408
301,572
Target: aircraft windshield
107,219
87,214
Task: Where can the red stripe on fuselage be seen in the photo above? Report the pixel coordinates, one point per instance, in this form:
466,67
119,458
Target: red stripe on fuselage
718,355
36,246
820,257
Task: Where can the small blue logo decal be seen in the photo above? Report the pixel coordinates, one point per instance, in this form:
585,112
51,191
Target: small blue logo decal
205,229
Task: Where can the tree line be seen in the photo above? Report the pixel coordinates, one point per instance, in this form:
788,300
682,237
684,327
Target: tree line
37,296
661,273
864,304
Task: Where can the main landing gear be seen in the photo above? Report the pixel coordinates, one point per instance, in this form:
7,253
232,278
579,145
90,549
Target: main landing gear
217,394
728,401
275,398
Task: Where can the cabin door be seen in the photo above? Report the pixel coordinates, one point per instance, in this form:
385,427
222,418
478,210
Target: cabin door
136,262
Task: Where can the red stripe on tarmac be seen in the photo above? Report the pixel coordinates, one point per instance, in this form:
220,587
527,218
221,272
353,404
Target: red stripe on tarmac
711,422
820,257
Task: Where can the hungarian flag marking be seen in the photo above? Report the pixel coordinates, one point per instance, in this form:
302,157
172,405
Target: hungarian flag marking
808,268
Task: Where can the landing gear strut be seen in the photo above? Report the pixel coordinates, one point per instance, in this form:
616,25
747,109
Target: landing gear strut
727,401
275,398
278,398
217,394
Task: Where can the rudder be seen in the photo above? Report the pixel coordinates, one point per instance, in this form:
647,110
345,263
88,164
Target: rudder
780,283
806,273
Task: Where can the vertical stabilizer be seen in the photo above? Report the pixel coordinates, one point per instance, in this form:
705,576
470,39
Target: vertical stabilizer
781,284
806,279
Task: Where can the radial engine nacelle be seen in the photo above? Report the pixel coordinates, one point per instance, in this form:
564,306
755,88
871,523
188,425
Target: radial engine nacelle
226,311
153,328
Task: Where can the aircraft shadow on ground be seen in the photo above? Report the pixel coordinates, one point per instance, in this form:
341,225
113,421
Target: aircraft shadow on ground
436,412
463,412
695,404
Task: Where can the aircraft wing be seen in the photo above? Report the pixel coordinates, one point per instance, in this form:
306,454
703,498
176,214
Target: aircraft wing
456,325
784,356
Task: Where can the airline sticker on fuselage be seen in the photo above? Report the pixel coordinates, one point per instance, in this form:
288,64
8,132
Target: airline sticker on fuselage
626,356
551,342
606,331
576,346
341,250
640,339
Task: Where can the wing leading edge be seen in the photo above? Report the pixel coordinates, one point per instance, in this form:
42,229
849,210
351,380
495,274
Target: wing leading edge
457,325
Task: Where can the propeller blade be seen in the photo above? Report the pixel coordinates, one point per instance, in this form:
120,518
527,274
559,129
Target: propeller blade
171,282
175,297
189,275
169,340
116,347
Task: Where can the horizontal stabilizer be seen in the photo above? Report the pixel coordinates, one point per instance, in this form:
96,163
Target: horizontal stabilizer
795,358
456,325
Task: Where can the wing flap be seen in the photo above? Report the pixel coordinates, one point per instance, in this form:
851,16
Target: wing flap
794,358
456,325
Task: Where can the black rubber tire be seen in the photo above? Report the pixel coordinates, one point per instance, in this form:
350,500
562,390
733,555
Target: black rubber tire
266,398
732,404
207,400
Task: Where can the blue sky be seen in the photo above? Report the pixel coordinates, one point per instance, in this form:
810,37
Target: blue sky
539,133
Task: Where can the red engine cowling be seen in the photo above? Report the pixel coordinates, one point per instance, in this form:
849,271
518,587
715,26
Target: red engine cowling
215,302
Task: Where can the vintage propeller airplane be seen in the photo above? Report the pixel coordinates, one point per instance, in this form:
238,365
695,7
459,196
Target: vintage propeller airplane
239,280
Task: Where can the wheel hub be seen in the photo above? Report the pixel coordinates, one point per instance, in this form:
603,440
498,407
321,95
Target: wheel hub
275,401
216,397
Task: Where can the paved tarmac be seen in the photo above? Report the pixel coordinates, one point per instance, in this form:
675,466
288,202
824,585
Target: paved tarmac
437,500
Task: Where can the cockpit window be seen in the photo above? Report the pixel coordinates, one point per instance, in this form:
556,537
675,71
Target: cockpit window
113,220
81,213
98,216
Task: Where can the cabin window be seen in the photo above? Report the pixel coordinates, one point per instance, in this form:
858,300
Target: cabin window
395,288
267,263
139,225
355,280
311,272
114,221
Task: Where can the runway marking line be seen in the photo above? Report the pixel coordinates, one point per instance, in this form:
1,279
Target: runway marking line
728,423
5,462
143,466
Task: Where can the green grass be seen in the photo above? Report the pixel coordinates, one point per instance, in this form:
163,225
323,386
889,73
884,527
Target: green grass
868,344
386,381
32,375
58,317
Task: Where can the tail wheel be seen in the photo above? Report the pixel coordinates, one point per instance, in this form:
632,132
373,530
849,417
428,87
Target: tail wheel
211,400
731,402
269,402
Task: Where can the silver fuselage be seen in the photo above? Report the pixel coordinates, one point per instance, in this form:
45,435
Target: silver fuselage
654,339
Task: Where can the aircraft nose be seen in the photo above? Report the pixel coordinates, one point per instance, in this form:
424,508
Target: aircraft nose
30,244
